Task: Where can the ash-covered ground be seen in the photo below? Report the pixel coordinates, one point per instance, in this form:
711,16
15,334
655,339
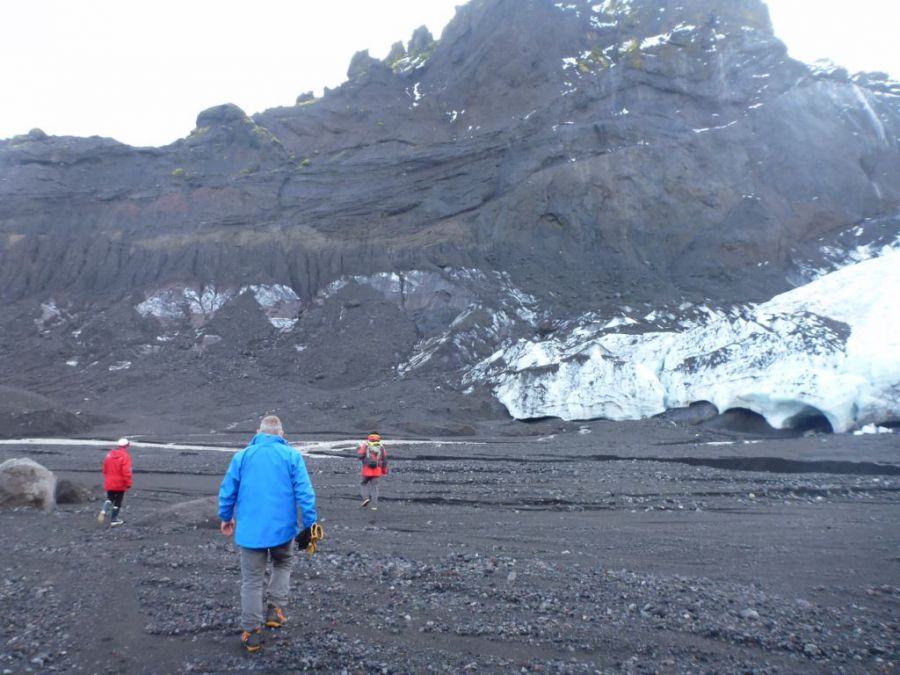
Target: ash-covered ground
633,548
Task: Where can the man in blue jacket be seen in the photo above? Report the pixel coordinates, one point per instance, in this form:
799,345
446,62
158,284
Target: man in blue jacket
266,481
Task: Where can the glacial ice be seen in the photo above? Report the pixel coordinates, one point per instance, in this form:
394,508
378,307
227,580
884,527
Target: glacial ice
830,348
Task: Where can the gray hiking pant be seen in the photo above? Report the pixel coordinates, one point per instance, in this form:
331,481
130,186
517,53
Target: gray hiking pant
253,573
369,489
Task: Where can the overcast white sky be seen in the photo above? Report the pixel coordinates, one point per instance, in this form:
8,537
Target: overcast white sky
140,70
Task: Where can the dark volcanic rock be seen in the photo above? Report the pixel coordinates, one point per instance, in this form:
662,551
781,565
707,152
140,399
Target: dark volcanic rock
421,41
589,155
23,413
224,115
362,65
68,492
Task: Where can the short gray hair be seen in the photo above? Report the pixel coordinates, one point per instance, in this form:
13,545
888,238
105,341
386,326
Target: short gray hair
270,424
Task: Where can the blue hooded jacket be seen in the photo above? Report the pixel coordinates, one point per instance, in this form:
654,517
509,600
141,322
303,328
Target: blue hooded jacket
267,481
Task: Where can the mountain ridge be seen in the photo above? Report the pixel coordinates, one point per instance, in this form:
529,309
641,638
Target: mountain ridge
581,155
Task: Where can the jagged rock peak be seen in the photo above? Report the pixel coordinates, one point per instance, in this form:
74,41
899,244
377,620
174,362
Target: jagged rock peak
398,51
420,41
531,17
363,64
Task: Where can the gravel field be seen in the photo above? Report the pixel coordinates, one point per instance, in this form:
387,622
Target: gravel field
625,548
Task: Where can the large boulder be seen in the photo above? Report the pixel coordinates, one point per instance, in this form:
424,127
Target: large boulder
24,482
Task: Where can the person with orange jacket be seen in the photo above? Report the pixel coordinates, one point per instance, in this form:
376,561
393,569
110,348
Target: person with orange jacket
374,465
117,479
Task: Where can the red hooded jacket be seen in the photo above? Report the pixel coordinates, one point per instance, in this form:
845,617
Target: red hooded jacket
117,469
372,471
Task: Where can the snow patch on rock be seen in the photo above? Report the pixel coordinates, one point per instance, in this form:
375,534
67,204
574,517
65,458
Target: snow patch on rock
655,41
612,7
51,315
279,302
872,238
465,291
199,304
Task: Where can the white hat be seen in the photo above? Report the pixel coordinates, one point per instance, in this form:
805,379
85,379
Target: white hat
123,442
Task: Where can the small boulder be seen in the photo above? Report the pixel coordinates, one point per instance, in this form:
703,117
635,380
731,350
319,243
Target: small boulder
68,492
200,513
24,482
546,327
750,614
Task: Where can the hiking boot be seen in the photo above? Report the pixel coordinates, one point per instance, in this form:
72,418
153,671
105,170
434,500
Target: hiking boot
252,640
107,505
366,502
275,618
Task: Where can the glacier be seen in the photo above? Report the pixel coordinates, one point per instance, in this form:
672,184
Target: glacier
830,348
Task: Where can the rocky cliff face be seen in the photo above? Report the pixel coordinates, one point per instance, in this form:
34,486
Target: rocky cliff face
538,160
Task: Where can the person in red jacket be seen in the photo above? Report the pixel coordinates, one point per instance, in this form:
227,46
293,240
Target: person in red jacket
374,465
116,481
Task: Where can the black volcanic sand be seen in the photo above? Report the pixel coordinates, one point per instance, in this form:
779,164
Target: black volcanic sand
635,548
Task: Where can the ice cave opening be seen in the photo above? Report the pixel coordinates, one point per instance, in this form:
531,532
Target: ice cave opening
809,419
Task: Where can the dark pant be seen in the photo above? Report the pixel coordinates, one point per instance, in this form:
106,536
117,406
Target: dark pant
116,497
369,489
